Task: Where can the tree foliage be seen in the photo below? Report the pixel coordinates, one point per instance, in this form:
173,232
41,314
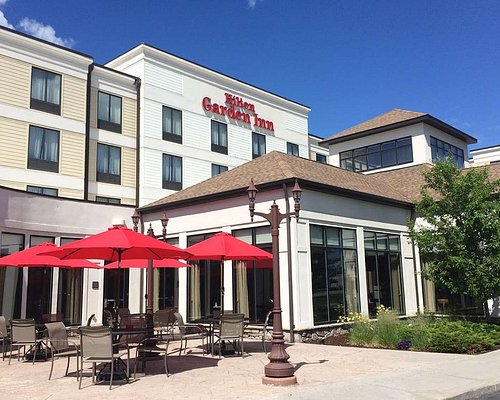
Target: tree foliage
459,237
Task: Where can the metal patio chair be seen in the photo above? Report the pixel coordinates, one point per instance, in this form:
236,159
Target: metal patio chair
190,332
231,328
96,346
4,335
60,345
23,333
164,320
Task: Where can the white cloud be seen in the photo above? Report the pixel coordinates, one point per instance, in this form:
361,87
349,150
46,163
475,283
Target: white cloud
252,3
3,20
45,32
2,2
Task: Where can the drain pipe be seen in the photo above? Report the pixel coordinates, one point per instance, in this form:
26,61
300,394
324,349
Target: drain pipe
413,218
87,133
289,256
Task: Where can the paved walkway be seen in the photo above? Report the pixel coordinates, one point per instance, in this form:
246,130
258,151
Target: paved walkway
323,372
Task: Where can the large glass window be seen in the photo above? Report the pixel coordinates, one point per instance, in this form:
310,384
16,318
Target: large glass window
109,115
108,164
172,172
166,284
334,273
218,169
383,272
292,149
43,149
39,298
441,151
204,284
219,137
394,152
258,145
11,278
42,190
253,280
70,292
45,91
172,124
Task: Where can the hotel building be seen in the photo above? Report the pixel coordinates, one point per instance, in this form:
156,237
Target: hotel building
83,145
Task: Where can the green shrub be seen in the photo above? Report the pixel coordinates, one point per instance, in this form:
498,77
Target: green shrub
387,328
416,330
462,337
361,331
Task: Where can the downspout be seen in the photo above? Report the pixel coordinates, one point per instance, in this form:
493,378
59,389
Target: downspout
87,133
412,218
289,256
138,139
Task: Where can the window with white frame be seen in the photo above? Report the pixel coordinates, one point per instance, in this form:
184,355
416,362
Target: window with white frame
172,172
43,149
108,164
45,91
109,116
172,124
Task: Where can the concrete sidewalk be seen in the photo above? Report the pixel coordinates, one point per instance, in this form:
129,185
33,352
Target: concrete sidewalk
322,372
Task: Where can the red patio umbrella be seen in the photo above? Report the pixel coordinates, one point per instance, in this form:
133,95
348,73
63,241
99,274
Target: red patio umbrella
223,246
35,257
119,243
141,263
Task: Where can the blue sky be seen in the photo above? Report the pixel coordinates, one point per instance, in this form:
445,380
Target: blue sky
348,60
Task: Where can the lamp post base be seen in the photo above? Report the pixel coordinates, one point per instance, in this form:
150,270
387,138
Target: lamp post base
287,381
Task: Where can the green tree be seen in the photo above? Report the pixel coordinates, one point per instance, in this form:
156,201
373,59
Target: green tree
459,238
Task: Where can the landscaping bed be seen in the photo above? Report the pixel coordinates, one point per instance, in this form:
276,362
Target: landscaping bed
421,333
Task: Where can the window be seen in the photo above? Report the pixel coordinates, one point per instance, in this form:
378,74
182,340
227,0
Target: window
172,172
321,158
110,113
219,137
384,279
258,145
386,154
43,149
108,164
11,279
42,190
441,150
45,91
253,280
334,273
292,149
107,200
172,125
218,169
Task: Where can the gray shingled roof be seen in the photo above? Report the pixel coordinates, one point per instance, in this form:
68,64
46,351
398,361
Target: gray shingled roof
278,167
401,185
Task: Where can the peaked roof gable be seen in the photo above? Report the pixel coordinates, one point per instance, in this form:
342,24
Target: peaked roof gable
393,119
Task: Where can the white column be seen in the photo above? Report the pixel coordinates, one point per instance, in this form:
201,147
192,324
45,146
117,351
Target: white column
363,290
183,279
54,290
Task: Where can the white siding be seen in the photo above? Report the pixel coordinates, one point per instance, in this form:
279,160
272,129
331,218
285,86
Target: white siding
164,78
196,131
240,142
194,171
152,112
295,123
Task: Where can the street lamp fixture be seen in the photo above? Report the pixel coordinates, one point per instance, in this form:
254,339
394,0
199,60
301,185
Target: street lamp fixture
278,371
150,277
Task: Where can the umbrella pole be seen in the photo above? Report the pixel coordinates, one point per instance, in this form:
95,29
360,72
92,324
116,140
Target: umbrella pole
222,287
149,298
